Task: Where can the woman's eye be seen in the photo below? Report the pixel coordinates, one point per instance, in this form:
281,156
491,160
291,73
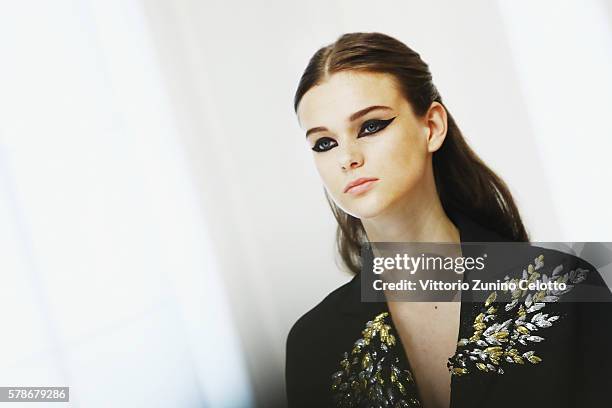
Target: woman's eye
368,128
323,144
373,126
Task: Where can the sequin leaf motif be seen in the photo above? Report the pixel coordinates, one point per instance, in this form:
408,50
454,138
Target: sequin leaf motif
371,374
498,340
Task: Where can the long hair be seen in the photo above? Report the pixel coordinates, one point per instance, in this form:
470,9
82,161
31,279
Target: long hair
463,181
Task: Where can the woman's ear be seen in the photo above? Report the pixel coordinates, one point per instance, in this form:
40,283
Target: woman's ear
436,125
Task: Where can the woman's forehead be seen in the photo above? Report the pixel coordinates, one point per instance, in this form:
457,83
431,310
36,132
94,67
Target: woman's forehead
344,93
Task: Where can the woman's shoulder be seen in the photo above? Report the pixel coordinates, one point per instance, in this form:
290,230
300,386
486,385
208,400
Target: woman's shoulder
583,277
323,314
550,262
315,344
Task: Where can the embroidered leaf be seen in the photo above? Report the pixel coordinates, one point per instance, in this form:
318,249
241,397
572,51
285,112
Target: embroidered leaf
516,331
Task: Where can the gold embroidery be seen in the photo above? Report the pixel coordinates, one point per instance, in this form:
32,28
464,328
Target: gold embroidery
506,342
372,372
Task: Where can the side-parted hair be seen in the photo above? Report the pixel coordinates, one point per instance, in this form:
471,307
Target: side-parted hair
463,180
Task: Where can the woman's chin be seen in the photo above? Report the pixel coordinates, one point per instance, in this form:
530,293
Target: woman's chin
364,207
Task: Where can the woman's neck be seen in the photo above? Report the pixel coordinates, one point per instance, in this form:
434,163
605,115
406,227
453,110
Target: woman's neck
423,221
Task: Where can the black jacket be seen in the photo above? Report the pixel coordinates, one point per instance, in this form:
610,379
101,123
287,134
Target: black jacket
344,352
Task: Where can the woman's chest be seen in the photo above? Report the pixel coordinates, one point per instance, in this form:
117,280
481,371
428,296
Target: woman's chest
428,334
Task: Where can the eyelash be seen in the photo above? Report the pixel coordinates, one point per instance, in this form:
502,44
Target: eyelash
380,123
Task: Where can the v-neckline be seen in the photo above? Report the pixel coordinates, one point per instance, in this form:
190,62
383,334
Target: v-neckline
470,232
405,359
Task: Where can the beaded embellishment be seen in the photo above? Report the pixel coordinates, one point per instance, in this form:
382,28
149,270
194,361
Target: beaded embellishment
372,374
496,340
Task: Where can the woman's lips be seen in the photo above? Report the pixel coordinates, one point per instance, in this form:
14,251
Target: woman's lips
361,185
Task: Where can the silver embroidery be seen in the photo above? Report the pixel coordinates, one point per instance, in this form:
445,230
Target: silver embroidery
507,342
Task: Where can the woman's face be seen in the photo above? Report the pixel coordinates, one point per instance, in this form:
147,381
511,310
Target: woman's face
359,126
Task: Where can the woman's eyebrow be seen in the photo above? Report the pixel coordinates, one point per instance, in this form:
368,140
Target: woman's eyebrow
352,118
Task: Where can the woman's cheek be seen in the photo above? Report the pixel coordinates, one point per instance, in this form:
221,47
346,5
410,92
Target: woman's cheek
328,175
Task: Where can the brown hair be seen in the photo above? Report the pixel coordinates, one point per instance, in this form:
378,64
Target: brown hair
463,181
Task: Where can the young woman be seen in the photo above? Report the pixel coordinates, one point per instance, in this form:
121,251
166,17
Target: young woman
396,168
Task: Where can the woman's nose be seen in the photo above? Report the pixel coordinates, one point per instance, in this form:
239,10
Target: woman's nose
350,158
